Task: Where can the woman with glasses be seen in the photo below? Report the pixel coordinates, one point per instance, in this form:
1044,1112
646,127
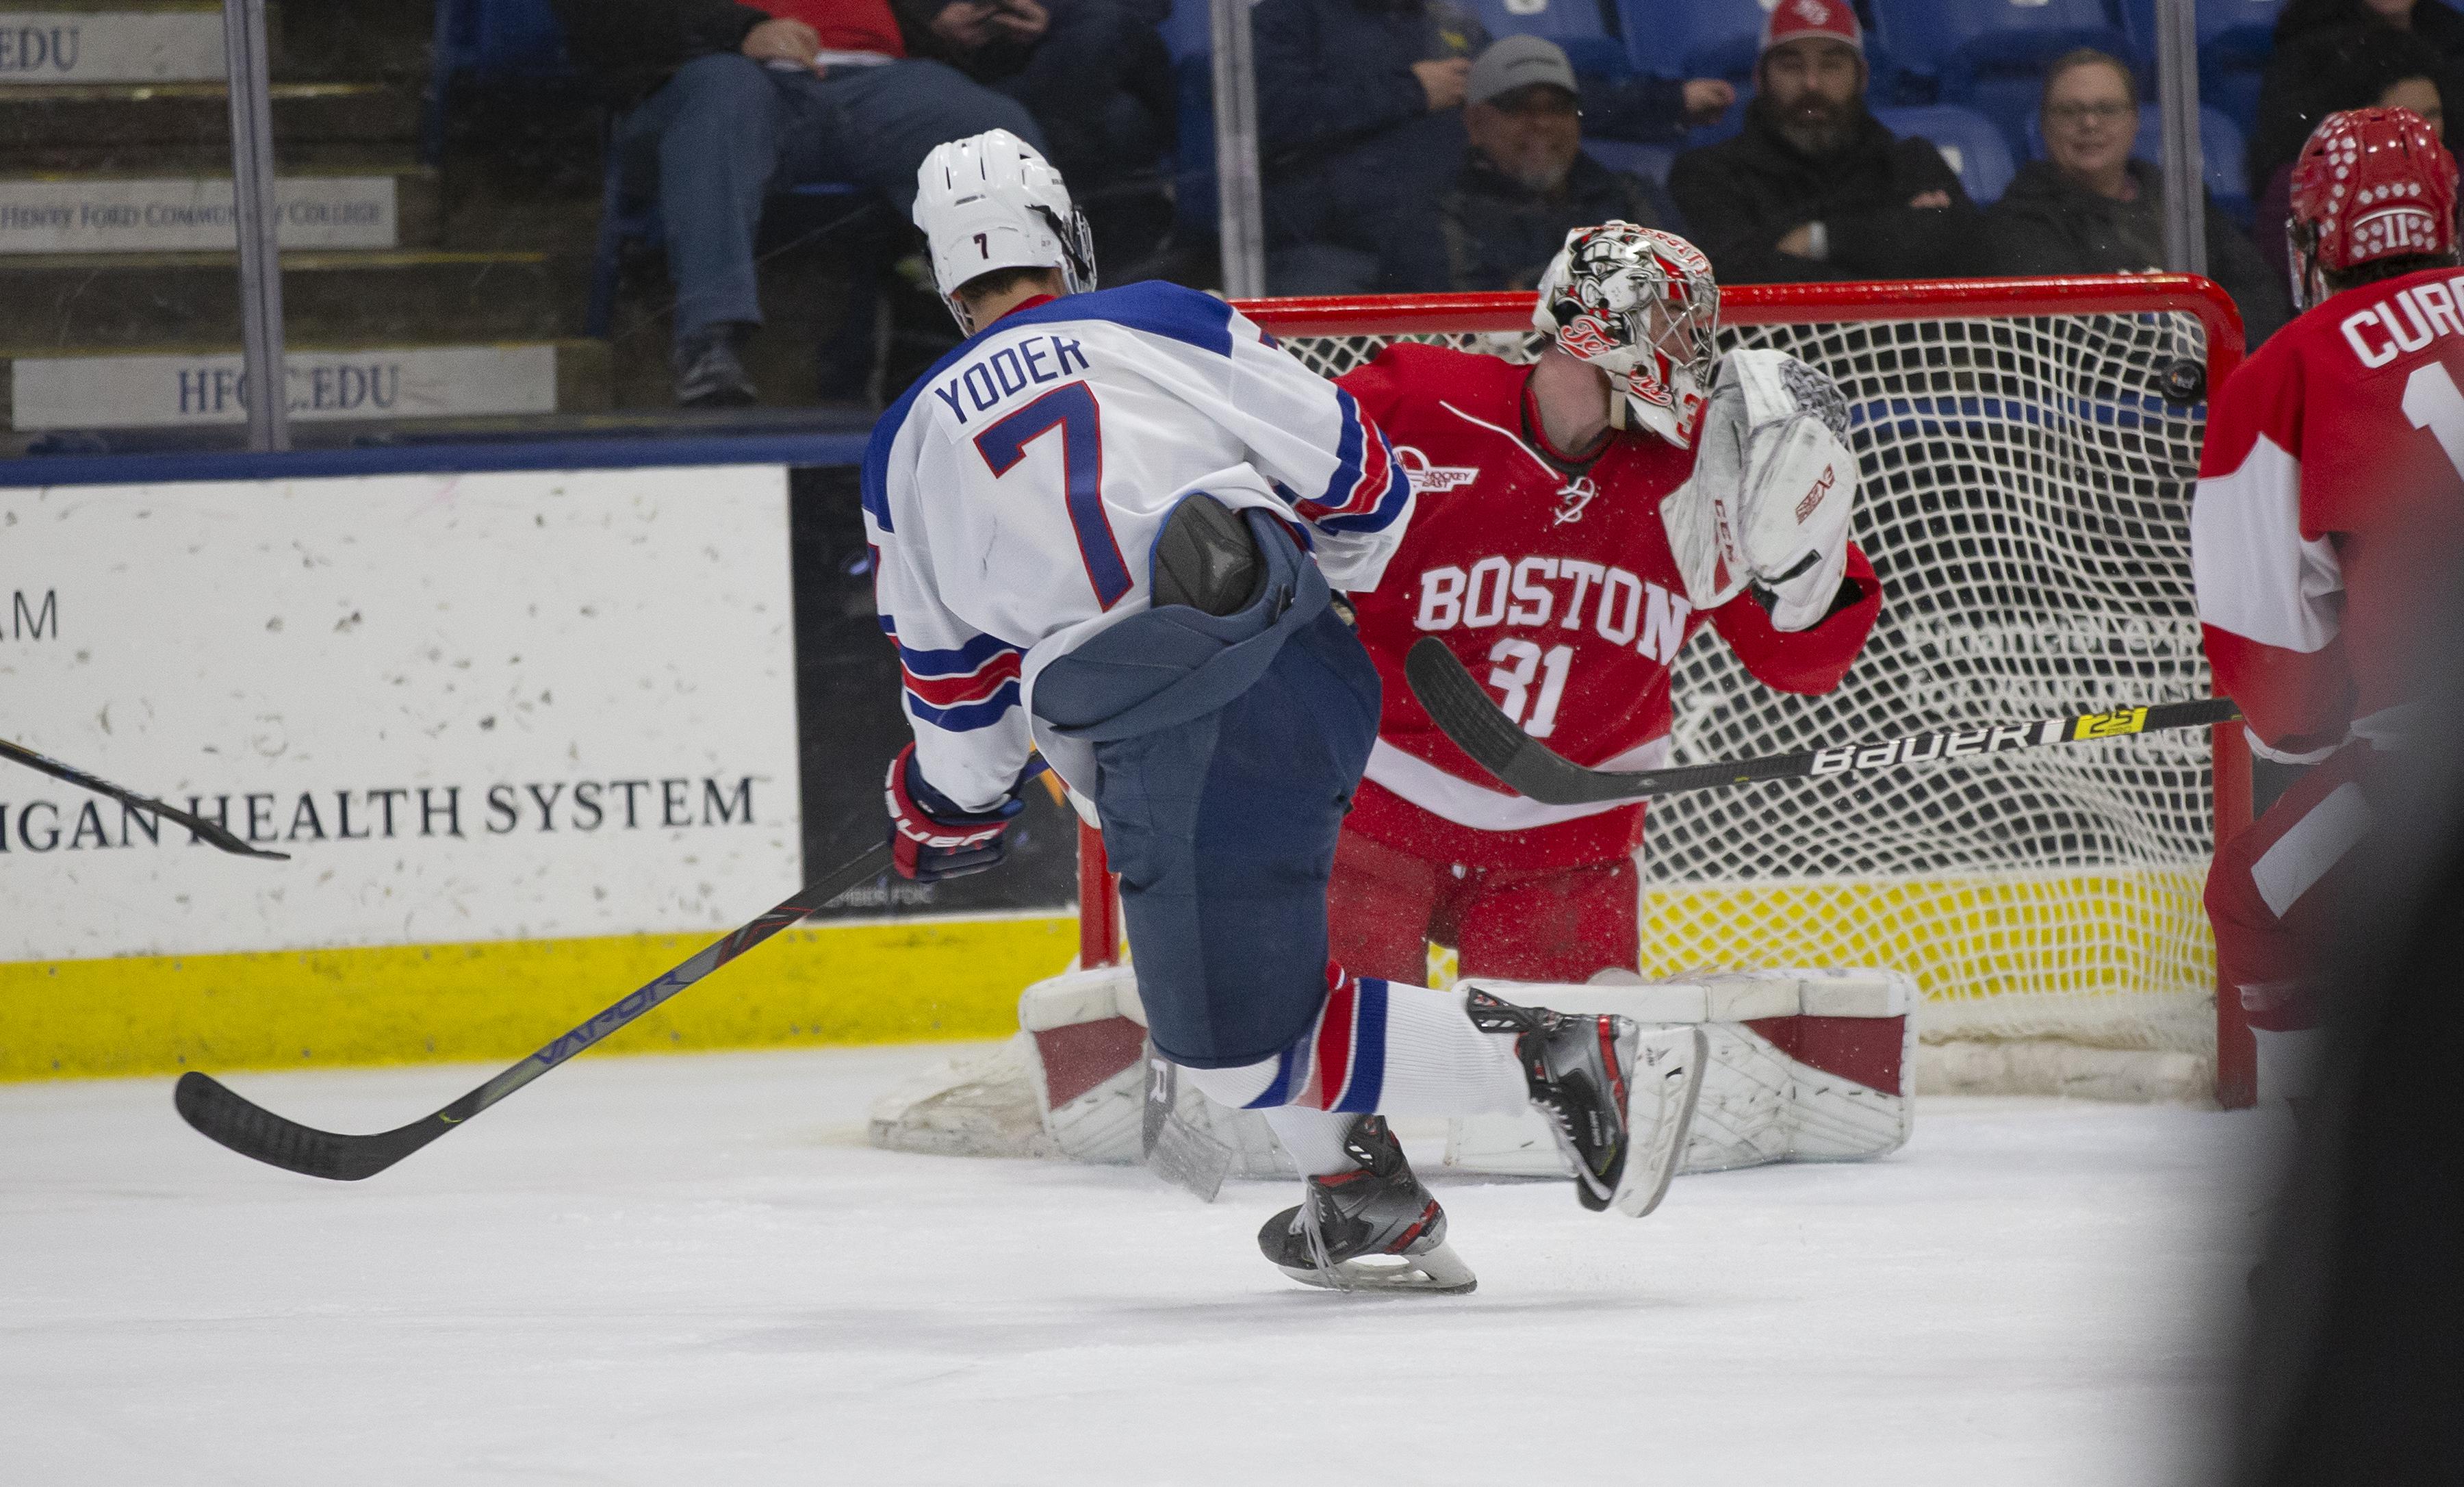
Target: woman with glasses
2089,208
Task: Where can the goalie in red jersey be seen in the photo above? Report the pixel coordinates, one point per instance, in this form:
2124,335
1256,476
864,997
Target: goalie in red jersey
1576,519
2331,496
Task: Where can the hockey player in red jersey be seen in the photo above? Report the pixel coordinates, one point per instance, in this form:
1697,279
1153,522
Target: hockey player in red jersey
1576,519
2329,505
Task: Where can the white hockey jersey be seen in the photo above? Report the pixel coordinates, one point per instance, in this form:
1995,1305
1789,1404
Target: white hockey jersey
1013,496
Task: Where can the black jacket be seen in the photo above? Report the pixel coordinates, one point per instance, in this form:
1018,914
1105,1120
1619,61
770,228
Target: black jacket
1744,196
2049,224
1500,235
631,47
2310,71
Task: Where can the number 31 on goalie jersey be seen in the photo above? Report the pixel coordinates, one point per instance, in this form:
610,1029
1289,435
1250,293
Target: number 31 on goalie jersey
1517,661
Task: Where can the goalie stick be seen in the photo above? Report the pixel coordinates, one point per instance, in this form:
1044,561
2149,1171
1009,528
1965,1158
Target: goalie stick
1462,707
197,825
254,1131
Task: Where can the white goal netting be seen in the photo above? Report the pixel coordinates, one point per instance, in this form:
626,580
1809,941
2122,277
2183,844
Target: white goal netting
2026,500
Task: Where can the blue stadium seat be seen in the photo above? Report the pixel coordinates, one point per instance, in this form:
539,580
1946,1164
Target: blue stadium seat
1989,55
2236,37
2220,154
1968,140
496,41
1188,30
1693,38
1579,26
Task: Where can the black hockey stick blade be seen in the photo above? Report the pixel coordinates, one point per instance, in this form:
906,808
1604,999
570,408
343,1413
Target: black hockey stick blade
254,1131
1462,708
197,825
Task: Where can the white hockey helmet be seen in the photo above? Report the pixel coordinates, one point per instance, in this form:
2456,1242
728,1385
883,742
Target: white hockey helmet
991,202
1641,305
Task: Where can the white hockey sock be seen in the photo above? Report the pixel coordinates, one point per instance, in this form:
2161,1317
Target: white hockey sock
1314,1137
1391,1050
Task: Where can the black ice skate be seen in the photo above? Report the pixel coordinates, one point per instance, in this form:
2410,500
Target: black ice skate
1372,1229
1620,1100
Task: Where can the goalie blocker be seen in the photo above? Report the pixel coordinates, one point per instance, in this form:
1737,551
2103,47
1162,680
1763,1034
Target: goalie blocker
1806,1066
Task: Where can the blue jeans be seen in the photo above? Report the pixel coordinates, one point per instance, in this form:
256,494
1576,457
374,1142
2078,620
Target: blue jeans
726,131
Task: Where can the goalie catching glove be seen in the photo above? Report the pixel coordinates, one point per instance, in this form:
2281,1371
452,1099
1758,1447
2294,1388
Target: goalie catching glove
931,838
1775,484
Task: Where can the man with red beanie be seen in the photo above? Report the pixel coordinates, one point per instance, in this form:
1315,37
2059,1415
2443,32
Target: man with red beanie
2327,525
1814,188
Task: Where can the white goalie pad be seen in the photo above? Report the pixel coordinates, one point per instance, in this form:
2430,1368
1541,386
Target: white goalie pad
1771,491
1806,1066
1071,1084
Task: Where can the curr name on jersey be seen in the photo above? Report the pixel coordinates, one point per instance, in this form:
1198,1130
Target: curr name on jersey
1524,592
984,382
2378,334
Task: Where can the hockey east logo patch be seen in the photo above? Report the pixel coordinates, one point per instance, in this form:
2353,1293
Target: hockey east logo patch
1426,478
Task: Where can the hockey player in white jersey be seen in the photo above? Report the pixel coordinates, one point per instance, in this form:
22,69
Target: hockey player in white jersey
1106,528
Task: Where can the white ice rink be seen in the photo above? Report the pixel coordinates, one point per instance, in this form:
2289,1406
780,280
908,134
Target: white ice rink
692,1270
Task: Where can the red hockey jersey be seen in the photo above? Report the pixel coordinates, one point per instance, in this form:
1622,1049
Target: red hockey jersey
2329,508
1554,583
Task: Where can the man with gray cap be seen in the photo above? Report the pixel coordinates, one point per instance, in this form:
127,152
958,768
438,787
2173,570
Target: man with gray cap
1526,182
1816,188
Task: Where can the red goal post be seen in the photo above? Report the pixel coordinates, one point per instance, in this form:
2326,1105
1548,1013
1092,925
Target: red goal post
2040,386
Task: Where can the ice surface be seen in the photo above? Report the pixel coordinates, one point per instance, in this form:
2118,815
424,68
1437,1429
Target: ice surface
691,1270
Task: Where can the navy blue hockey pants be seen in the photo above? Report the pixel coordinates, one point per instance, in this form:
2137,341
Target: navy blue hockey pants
1227,749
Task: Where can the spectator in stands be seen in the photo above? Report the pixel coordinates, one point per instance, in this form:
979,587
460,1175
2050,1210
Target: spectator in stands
1816,188
1360,130
1527,182
735,101
1095,74
2089,208
2361,67
2312,43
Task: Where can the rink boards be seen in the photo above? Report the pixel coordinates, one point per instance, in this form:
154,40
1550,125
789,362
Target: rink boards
529,738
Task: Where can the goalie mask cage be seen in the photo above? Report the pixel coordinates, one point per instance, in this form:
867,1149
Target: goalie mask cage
2029,450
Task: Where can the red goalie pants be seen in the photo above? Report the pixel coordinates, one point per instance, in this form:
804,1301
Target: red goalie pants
1558,923
2274,891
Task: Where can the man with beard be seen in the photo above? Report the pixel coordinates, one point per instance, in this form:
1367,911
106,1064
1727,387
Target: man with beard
1816,188
1527,183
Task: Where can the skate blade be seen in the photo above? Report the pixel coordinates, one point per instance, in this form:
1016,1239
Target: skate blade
1662,1089
1438,1271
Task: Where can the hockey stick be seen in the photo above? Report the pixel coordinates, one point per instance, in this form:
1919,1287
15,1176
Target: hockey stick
197,825
254,1131
1462,708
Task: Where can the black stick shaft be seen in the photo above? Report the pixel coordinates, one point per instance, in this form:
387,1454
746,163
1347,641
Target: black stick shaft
197,825
1463,709
254,1131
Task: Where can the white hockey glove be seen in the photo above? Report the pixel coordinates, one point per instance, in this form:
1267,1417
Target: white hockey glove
1773,486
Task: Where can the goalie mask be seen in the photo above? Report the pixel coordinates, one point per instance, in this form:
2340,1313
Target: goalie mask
990,202
1641,305
2371,184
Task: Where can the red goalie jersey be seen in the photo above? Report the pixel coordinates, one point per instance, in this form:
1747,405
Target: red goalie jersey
1553,580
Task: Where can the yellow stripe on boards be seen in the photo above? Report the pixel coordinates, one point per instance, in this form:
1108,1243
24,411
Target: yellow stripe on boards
869,983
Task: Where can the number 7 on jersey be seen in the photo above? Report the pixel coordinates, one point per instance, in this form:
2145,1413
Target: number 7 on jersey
1071,410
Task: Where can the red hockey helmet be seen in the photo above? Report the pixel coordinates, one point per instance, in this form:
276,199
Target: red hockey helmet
2371,184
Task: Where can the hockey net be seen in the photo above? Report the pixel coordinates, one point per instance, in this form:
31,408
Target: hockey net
2029,451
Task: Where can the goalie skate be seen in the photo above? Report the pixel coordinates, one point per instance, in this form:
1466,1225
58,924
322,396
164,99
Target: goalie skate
1372,1229
1619,1100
